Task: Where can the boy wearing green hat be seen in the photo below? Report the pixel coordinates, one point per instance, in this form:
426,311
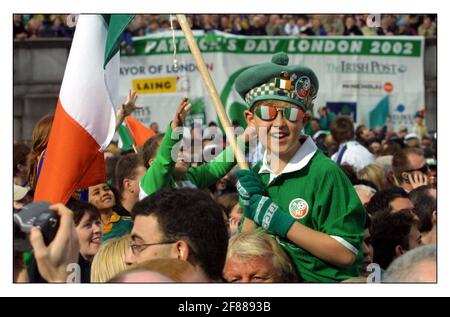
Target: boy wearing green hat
297,193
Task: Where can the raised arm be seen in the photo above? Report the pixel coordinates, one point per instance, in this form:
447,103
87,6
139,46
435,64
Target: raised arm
159,174
127,108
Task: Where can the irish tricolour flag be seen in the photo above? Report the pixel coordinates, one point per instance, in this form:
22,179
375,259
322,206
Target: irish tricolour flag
85,116
133,133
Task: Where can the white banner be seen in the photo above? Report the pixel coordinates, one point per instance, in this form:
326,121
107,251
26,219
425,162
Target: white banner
355,73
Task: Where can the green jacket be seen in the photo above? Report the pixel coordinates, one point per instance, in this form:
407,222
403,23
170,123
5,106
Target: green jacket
320,196
159,175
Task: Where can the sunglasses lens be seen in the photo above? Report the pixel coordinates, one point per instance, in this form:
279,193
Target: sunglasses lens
424,169
269,113
293,114
266,112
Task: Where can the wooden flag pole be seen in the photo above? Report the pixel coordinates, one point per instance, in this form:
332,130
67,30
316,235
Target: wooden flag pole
240,158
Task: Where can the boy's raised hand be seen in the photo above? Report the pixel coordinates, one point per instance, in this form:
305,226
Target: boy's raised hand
181,114
130,104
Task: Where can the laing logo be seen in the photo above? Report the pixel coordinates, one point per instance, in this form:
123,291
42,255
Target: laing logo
155,85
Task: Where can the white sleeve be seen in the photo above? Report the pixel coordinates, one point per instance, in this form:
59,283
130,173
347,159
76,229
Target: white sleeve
346,244
142,193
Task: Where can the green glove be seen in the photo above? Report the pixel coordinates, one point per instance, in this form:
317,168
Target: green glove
269,216
248,185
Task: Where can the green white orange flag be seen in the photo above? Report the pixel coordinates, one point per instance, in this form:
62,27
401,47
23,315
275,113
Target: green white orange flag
125,139
379,114
139,132
85,116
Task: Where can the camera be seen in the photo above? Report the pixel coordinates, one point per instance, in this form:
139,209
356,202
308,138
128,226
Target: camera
36,214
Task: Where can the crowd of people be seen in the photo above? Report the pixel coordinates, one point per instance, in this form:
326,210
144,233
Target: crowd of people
28,26
323,200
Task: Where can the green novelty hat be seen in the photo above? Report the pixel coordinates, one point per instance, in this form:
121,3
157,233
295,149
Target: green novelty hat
295,84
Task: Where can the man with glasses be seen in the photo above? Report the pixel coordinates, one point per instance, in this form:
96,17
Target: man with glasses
180,223
410,169
297,193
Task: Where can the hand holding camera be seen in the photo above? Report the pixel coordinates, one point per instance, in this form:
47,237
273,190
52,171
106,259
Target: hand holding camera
34,214
52,260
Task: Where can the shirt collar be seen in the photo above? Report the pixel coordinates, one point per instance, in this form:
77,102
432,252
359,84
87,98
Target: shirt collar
300,159
351,143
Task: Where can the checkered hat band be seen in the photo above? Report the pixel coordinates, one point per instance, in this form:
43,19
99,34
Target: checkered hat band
268,89
263,90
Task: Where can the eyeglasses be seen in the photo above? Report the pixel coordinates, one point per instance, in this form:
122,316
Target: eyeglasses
424,169
138,248
270,112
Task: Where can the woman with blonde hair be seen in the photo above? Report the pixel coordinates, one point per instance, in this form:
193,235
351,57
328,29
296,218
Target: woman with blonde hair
110,260
373,173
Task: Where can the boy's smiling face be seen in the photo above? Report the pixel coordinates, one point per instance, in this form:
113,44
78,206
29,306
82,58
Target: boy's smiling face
279,136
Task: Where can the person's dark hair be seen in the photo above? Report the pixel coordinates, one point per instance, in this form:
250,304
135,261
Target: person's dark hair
126,168
382,199
400,161
349,171
424,205
79,208
358,133
428,138
389,230
20,154
150,148
110,164
228,201
368,222
342,129
428,152
190,215
393,145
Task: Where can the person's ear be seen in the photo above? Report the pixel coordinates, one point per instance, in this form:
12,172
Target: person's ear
21,168
434,218
182,250
127,184
249,117
150,162
399,250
